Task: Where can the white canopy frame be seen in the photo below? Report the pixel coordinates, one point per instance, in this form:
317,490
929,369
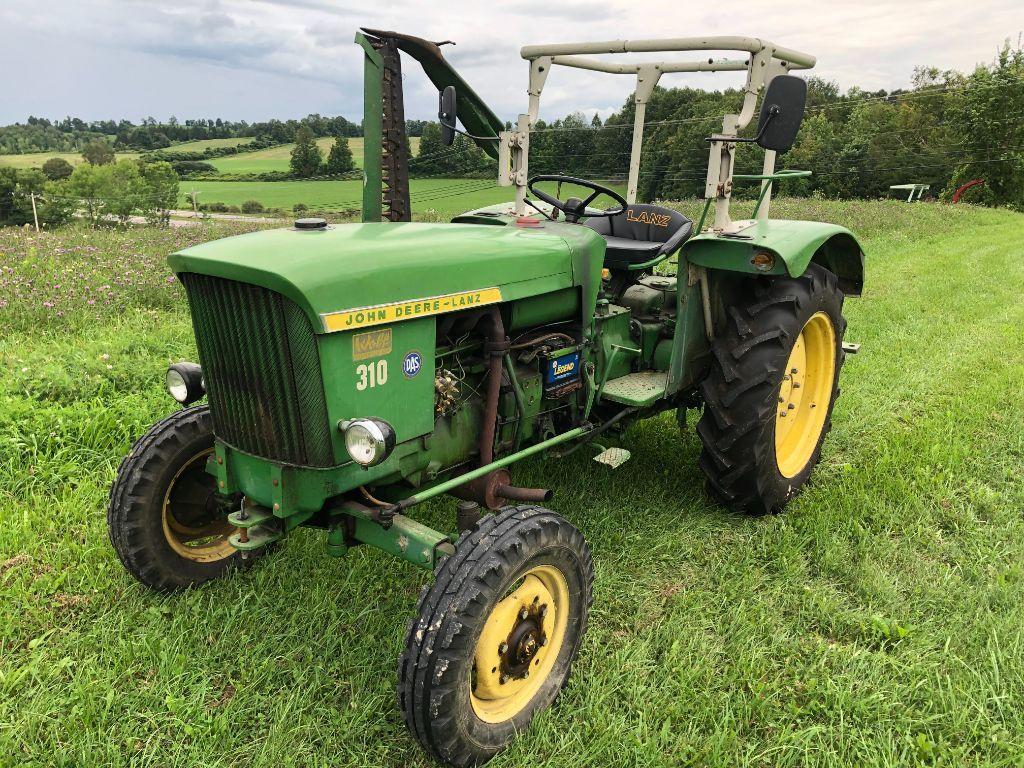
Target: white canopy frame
764,62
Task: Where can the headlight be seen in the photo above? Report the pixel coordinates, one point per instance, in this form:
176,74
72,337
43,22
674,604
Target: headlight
368,441
185,382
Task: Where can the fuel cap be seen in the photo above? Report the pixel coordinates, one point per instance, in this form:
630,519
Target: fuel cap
311,223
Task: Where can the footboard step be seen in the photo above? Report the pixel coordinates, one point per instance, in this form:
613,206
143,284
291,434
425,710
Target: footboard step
613,457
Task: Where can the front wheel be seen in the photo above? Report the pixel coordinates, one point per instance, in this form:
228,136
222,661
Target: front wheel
496,634
167,523
769,394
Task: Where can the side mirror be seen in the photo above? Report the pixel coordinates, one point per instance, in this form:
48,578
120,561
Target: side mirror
782,111
446,115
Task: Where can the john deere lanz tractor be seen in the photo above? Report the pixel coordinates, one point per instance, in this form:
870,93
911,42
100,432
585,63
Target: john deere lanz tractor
354,371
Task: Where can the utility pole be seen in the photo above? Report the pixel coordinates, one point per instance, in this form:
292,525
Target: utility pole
35,214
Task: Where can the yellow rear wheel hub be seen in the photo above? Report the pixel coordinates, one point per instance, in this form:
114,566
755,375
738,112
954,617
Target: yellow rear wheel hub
805,395
519,644
191,530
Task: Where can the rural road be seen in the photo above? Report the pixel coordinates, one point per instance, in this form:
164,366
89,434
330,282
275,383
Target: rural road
191,219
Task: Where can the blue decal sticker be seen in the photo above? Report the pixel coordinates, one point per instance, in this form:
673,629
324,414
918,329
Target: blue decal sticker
412,364
562,368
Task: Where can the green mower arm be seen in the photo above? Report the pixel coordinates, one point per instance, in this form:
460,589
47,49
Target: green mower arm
474,114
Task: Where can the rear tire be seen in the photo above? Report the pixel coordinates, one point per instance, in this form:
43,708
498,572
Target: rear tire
763,426
167,523
496,635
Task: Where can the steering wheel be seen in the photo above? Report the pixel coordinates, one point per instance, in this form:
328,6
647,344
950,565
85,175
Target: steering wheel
573,207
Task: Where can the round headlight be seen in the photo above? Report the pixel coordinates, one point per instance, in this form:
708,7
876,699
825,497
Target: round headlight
368,441
176,385
185,382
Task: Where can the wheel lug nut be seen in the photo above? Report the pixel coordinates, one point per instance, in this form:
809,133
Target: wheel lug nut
523,614
796,385
504,679
526,673
782,414
503,648
793,370
790,407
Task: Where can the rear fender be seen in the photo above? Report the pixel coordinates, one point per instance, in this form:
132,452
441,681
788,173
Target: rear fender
793,244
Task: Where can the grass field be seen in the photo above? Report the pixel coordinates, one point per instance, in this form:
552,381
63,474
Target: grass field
447,196
36,159
879,622
277,158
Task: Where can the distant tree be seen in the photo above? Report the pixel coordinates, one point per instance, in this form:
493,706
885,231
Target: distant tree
8,187
57,168
16,190
161,185
339,160
306,156
98,153
86,184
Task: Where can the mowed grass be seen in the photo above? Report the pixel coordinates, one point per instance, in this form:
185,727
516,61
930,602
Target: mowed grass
877,622
278,158
446,196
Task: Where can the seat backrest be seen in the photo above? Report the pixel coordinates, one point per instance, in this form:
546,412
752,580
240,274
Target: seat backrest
640,221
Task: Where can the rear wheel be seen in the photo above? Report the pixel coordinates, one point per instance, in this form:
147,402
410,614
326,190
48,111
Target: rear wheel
167,523
496,635
769,395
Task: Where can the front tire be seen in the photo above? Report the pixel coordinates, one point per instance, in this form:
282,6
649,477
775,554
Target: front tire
167,523
768,396
496,635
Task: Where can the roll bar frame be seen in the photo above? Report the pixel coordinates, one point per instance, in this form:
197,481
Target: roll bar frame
764,62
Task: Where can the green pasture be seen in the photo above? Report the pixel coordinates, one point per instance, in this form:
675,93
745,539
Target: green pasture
36,159
448,196
277,158
878,622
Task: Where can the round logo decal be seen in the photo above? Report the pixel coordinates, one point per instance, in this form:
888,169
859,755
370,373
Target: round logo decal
412,364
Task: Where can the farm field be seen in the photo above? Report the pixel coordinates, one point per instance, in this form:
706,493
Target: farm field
36,159
879,622
447,196
277,158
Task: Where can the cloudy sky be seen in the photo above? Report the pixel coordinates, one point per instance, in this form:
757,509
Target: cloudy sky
258,59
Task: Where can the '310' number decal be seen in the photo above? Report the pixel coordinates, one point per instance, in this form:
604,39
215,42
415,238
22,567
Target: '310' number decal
372,374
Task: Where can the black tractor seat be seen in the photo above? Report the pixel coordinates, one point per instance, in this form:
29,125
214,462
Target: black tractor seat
641,233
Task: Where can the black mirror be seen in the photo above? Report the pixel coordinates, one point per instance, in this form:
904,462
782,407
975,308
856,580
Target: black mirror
782,110
446,114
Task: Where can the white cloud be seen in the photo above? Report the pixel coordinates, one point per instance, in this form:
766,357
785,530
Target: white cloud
272,58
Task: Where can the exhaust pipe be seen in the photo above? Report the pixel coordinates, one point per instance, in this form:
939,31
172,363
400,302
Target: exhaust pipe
535,495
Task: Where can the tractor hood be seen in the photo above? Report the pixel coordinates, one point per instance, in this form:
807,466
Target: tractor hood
362,266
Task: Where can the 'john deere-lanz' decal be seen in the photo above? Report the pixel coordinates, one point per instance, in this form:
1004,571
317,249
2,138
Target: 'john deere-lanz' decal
362,317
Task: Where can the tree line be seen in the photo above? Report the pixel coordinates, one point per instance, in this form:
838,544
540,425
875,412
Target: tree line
947,129
101,189
39,134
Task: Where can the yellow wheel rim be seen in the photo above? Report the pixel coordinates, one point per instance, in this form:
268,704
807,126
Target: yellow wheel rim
186,521
519,644
805,394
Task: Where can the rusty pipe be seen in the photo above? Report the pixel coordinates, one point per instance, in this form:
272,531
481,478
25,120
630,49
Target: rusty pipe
496,347
514,493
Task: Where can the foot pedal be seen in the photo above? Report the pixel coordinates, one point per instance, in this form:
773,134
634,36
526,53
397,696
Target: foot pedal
613,457
851,348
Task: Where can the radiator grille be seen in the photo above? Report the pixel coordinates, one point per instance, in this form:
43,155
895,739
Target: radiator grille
262,371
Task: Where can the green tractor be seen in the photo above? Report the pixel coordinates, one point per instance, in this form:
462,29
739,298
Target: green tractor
354,371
